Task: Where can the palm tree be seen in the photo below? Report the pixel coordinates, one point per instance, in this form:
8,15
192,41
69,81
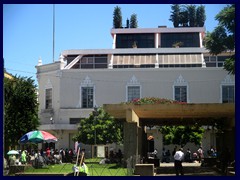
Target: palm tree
200,16
175,15
183,16
192,15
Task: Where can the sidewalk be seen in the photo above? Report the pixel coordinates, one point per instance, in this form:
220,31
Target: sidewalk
190,169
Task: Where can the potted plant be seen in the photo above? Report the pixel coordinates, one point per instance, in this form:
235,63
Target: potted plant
134,45
177,44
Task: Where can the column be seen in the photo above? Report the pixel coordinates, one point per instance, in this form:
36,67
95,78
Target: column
130,131
156,40
114,42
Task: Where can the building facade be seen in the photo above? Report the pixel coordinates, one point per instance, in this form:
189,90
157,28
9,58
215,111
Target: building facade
159,62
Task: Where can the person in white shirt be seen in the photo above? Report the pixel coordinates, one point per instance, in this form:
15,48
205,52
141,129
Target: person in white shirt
178,158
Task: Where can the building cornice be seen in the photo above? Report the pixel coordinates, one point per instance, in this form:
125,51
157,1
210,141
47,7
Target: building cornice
157,30
134,51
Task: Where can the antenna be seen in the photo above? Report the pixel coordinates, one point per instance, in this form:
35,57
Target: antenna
53,29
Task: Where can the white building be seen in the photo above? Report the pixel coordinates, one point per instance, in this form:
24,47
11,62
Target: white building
70,88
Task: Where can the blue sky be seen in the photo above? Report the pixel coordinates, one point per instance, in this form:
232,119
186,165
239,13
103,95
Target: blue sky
28,29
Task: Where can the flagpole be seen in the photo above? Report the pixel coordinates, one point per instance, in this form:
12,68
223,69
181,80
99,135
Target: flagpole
53,30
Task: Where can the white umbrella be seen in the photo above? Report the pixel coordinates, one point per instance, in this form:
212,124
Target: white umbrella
11,152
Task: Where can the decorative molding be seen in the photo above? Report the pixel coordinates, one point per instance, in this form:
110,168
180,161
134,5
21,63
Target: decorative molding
87,82
48,84
180,81
133,81
228,81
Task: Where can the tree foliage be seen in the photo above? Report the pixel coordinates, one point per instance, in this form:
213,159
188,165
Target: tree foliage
20,109
117,17
174,17
192,15
181,135
183,15
200,16
187,15
133,21
222,39
108,130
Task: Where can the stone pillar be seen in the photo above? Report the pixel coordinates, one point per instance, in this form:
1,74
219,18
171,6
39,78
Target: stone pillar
140,141
156,40
130,131
144,143
114,41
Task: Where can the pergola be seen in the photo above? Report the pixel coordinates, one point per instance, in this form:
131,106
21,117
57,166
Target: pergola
135,117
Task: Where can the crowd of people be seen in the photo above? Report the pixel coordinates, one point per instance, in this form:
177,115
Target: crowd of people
198,156
39,158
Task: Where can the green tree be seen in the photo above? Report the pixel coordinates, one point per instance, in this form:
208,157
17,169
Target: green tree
175,13
20,109
133,21
107,129
192,15
181,135
183,15
222,39
200,16
117,17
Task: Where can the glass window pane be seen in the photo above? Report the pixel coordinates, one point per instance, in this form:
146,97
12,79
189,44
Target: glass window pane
87,97
181,93
48,98
133,92
228,94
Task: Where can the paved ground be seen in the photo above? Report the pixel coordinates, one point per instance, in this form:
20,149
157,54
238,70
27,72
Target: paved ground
171,164
190,169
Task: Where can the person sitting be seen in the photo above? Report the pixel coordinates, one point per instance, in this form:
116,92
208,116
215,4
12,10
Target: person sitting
12,160
194,157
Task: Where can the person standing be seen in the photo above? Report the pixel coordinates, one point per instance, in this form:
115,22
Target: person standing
188,157
23,157
200,154
225,160
174,151
178,158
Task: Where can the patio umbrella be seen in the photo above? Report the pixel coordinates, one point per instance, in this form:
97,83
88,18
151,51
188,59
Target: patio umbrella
37,136
11,152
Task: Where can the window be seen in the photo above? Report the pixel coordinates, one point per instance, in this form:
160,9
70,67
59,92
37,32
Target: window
187,39
93,62
133,92
180,90
181,93
228,94
142,40
48,98
75,120
87,97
